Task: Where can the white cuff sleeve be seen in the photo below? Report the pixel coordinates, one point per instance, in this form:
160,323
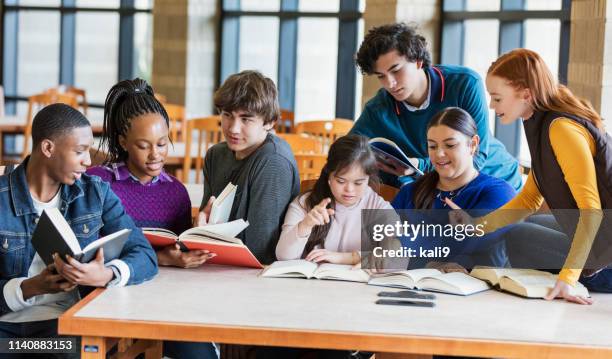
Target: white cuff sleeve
14,296
121,271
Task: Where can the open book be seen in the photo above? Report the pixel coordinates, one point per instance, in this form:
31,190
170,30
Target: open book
389,153
54,235
528,283
431,280
301,268
216,238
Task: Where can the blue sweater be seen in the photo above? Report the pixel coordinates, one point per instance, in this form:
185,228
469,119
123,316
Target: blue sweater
453,86
479,197
484,194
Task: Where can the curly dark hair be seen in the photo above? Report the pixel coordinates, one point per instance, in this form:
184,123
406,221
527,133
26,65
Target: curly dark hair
382,39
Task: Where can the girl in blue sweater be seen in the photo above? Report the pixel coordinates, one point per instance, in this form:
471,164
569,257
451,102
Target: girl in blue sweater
452,143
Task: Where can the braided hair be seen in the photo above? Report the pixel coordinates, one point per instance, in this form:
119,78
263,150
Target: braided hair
125,101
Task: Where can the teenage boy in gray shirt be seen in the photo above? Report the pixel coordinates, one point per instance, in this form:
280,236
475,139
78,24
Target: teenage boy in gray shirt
258,162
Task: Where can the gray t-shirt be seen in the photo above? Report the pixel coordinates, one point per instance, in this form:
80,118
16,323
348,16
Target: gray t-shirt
267,182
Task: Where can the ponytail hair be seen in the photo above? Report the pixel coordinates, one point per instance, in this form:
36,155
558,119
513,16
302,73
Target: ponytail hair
525,69
457,119
125,101
345,152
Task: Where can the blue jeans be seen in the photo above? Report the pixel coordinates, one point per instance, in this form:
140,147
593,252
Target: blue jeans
539,243
39,329
188,350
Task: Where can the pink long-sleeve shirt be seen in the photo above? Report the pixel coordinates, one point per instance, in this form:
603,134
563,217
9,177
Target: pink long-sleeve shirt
344,233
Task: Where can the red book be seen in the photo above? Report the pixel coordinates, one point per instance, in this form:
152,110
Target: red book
228,250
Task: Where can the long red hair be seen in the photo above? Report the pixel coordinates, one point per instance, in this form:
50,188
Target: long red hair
525,69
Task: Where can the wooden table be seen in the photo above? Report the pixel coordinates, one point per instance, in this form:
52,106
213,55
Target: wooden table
234,305
16,125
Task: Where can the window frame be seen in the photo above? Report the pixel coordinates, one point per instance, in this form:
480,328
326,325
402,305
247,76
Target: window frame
512,16
68,10
349,15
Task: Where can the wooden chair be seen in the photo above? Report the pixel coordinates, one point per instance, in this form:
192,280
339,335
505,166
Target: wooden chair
310,165
387,192
79,93
37,102
161,98
301,143
285,123
307,185
326,130
176,113
209,132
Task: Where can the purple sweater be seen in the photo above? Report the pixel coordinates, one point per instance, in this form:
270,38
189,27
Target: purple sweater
161,203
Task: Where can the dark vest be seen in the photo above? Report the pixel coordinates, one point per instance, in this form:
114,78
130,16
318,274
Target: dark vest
550,181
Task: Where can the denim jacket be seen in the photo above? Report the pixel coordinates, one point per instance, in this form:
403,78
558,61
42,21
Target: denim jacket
89,206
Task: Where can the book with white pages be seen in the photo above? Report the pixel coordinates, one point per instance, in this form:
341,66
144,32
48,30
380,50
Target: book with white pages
53,234
529,283
222,205
430,280
301,268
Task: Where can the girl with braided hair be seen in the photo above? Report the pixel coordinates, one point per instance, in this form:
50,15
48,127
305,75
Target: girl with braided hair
135,139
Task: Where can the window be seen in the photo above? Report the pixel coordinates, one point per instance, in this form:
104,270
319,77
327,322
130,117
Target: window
89,44
476,32
306,47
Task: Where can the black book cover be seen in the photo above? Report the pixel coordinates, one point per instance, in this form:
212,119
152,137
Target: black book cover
54,235
48,239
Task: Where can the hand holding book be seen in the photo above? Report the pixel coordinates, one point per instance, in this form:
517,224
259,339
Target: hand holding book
175,256
46,282
389,165
564,290
391,158
205,213
321,255
93,273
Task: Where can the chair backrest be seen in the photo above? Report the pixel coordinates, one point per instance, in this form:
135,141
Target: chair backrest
286,122
307,185
176,113
79,93
301,143
97,157
208,130
161,98
387,192
310,165
37,102
327,130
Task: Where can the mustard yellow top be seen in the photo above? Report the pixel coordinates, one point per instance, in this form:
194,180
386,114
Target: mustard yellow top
574,148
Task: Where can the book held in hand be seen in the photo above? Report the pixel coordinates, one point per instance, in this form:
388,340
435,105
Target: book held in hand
222,205
215,238
529,283
301,268
54,235
430,280
389,153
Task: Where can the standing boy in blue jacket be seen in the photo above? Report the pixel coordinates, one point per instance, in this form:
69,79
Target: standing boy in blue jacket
32,294
413,92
